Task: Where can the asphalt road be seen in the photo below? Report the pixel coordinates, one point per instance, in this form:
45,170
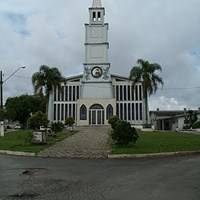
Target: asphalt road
57,179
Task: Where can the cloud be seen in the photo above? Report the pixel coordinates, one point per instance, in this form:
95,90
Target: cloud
164,103
17,22
52,32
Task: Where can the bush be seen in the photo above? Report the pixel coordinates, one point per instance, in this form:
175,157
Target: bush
37,120
196,125
113,121
69,121
57,127
186,127
124,133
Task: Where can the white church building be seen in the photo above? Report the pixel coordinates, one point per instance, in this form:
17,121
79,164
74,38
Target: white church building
94,96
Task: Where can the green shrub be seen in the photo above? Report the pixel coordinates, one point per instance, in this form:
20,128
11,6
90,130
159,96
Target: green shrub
37,120
196,125
69,121
186,127
124,133
113,121
57,127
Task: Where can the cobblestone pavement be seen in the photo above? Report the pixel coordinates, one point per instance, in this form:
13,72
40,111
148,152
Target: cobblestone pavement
89,142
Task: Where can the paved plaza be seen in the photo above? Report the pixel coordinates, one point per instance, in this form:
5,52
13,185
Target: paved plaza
89,142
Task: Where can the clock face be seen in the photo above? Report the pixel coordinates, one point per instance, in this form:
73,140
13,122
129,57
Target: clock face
96,72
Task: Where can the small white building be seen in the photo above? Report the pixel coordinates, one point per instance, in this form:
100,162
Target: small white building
94,96
169,119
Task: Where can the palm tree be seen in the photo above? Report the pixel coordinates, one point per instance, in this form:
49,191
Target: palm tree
145,73
44,81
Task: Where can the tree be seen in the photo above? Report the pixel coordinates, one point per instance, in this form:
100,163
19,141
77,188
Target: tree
3,114
20,108
190,118
37,120
146,73
44,80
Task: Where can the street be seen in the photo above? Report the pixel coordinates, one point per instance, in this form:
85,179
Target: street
60,179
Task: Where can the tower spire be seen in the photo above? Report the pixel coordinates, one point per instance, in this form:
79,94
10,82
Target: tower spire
96,4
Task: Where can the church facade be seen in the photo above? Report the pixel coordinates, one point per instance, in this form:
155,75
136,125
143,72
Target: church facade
96,95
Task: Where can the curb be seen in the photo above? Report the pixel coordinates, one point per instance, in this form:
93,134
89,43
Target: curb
17,153
152,155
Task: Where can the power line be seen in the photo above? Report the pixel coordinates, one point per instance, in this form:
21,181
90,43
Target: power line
180,88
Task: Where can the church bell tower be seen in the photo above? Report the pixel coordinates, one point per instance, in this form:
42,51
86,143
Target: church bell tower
96,77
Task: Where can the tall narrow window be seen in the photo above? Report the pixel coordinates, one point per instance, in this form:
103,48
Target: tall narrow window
125,111
133,112
136,93
55,92
141,112
129,93
137,113
121,111
70,110
62,112
132,91
77,93
117,93
109,112
121,93
129,111
125,93
58,113
62,93
140,92
66,93
74,94
59,91
99,16
94,16
66,111
83,113
70,93
54,112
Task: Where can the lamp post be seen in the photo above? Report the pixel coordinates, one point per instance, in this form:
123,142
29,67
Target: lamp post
3,81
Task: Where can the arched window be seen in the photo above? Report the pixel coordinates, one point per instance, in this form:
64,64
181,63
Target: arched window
83,113
96,107
109,112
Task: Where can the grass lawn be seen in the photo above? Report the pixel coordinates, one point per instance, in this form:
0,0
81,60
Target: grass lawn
158,142
21,141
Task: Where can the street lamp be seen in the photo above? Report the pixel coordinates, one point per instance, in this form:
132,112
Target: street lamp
3,81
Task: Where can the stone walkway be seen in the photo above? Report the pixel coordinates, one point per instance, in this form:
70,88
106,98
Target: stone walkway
89,142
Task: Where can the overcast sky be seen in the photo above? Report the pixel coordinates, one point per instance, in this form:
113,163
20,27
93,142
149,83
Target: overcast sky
51,32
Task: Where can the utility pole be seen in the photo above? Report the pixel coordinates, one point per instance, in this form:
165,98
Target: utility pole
1,89
3,81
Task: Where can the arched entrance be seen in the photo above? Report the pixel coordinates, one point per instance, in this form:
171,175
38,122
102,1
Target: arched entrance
96,115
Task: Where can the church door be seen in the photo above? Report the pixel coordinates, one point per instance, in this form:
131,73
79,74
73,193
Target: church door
96,115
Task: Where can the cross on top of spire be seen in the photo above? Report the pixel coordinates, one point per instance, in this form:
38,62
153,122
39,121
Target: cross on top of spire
96,4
